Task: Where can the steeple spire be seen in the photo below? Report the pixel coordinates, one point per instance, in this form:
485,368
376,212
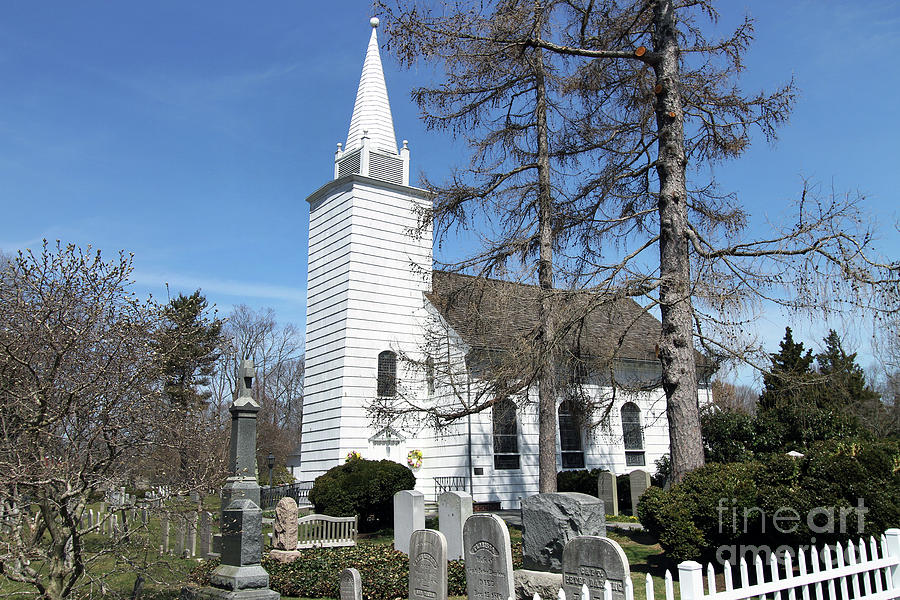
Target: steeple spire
372,110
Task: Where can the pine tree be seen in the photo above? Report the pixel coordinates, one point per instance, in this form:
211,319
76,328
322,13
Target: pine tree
845,386
791,374
194,340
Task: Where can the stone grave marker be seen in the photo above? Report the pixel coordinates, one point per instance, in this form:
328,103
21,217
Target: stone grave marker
205,534
551,520
164,530
409,516
179,538
489,569
427,565
608,492
592,561
453,510
285,526
191,548
351,585
640,481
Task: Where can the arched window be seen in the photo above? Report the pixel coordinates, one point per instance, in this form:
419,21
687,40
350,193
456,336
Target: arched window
506,435
429,374
570,438
387,374
632,435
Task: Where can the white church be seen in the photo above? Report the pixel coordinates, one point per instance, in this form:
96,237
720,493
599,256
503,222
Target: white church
380,320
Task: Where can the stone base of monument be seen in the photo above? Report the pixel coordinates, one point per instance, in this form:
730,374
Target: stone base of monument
543,583
195,593
284,556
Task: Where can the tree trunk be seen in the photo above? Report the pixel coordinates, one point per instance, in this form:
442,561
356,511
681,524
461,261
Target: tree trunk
676,349
546,349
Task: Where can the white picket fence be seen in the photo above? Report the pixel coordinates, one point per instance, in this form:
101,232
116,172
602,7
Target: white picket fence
858,572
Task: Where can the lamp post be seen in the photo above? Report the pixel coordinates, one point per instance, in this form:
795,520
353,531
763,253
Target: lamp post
270,460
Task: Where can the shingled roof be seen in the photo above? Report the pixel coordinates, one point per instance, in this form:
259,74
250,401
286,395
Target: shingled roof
493,314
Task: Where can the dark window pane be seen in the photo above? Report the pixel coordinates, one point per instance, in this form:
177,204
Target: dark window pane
506,435
632,433
634,459
506,461
573,460
387,373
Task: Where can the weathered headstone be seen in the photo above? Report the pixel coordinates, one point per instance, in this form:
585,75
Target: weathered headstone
205,534
489,569
91,521
592,561
608,492
191,547
453,510
427,565
351,585
145,516
195,497
551,520
285,526
179,538
640,481
409,516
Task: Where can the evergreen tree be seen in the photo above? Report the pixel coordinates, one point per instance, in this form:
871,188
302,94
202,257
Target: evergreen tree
845,384
791,375
194,341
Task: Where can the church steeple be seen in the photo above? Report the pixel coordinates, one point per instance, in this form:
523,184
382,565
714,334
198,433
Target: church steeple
371,148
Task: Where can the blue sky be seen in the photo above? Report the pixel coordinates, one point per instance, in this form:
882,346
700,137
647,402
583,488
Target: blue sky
191,133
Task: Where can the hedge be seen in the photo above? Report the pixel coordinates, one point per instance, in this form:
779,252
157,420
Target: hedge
315,574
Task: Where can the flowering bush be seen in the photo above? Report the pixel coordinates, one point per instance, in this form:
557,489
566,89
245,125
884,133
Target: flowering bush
353,455
414,459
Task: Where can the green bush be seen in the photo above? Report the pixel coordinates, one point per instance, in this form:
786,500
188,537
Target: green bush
384,572
582,481
362,487
722,505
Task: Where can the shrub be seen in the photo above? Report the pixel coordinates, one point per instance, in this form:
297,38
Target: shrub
582,481
384,572
736,504
362,487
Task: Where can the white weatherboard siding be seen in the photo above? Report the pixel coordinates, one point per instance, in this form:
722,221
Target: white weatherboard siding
367,279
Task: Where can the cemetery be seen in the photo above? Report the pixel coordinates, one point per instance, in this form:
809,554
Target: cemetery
440,434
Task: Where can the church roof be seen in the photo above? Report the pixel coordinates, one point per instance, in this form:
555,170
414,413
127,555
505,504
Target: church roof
372,110
491,314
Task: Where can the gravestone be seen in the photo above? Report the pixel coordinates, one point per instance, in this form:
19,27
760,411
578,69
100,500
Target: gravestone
285,526
551,520
145,516
640,481
164,529
453,510
91,521
351,585
179,538
427,565
608,492
489,569
409,516
205,534
592,561
191,548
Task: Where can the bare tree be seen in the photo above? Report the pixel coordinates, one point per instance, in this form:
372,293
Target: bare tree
80,401
650,100
277,353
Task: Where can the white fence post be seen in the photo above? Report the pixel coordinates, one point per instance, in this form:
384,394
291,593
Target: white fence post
690,577
892,539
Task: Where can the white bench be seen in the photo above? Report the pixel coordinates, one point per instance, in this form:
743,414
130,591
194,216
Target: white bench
324,531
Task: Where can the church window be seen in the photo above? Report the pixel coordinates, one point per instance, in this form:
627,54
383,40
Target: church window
506,435
387,374
633,435
570,443
429,374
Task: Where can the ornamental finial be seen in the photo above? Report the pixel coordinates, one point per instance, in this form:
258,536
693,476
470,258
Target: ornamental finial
374,21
